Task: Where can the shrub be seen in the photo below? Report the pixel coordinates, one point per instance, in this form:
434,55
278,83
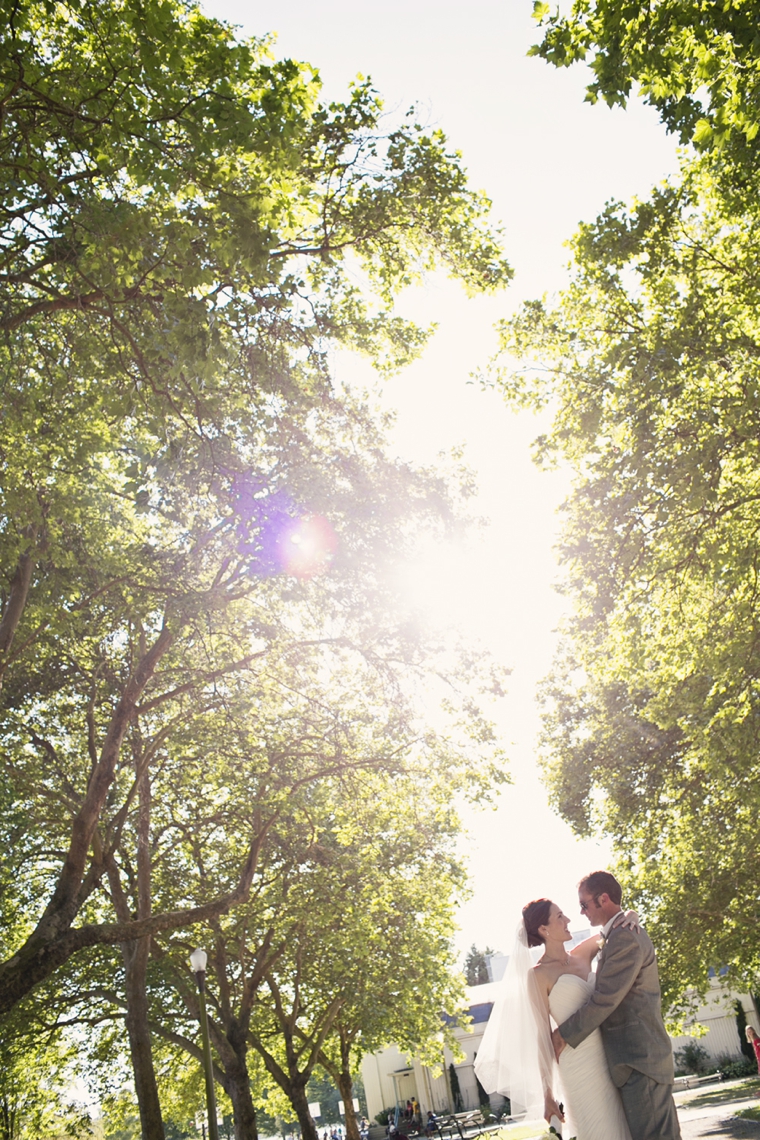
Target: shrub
693,1058
734,1066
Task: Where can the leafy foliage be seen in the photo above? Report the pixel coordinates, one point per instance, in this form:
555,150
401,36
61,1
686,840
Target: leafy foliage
476,966
201,645
734,1067
652,713
692,1058
456,1092
35,1081
697,62
183,230
741,1029
345,947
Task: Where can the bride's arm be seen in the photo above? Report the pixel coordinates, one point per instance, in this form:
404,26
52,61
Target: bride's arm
590,947
539,998
587,949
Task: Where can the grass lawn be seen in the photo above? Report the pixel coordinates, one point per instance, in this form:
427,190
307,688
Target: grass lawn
720,1094
750,1113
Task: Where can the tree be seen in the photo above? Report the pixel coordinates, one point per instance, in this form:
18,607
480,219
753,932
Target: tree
692,1058
154,165
183,217
275,768
456,1092
322,1090
476,966
363,891
345,947
484,1099
741,1027
696,62
395,970
651,726
35,1076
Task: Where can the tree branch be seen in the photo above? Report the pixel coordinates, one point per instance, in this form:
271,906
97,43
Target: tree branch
14,608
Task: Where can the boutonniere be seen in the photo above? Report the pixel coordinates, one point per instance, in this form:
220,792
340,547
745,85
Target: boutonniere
602,942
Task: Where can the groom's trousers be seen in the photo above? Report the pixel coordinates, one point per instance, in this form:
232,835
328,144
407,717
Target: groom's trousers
649,1108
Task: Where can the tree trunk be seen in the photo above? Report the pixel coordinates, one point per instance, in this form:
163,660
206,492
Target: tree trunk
52,941
292,1081
238,1088
293,1078
140,1047
8,1117
16,603
341,1074
229,1032
346,1088
297,1093
136,956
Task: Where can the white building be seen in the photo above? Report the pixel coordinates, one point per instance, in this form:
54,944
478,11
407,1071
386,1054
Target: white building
391,1079
718,1016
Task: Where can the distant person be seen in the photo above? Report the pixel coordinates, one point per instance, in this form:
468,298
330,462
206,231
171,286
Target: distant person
431,1125
754,1041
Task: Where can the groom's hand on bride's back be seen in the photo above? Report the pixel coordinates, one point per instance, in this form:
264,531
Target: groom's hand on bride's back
558,1042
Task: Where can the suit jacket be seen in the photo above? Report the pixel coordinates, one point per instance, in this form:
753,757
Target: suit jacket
625,1006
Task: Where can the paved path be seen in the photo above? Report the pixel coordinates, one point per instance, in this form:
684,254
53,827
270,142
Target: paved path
716,1121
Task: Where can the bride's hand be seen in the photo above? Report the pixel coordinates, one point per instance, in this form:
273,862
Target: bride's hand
551,1108
630,920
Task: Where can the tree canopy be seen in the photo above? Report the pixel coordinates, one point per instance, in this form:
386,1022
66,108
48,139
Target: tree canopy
181,228
650,361
696,61
652,356
200,633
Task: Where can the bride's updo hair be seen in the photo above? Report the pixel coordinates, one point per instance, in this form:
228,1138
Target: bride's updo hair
536,914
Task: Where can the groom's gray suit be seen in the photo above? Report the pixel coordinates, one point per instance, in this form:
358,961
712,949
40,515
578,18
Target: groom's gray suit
625,1006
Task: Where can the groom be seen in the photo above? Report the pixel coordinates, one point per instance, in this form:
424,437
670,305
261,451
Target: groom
625,1006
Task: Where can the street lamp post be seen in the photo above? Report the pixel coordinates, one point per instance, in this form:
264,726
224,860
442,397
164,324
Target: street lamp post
198,960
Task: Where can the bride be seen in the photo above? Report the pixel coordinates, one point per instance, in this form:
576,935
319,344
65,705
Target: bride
516,1057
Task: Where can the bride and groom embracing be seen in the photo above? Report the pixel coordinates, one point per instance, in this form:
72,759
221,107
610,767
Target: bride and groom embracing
614,1058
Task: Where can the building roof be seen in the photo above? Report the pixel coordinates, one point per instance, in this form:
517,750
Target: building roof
481,1011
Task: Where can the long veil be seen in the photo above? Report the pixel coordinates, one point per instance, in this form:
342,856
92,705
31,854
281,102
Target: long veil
515,1057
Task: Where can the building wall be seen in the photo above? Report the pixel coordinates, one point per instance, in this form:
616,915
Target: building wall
719,1016
385,1072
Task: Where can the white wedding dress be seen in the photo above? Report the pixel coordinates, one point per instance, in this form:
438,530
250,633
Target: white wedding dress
593,1106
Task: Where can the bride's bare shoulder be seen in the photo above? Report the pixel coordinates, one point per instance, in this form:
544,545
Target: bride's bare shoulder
542,972
541,977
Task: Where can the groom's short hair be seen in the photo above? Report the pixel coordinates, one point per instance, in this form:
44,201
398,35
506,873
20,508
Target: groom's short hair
602,883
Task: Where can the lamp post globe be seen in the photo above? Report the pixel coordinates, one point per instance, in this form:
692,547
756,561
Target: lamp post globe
198,960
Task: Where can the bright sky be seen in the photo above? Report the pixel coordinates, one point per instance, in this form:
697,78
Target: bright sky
548,160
